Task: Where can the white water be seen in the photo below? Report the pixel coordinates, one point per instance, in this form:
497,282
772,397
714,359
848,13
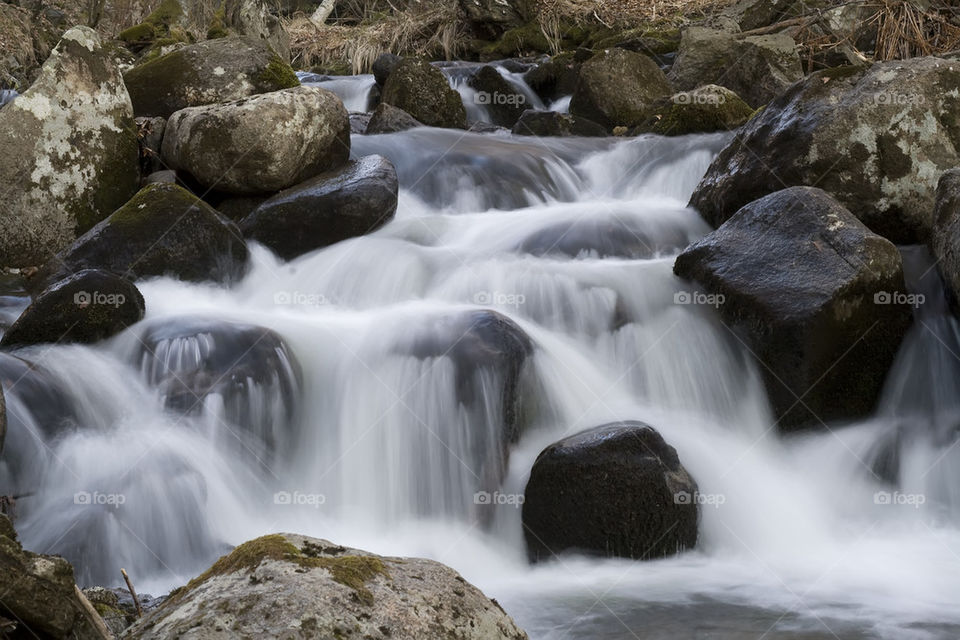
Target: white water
798,549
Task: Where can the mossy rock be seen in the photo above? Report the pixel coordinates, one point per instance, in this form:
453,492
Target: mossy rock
159,24
422,90
705,109
519,41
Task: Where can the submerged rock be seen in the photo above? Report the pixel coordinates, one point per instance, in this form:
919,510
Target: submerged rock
387,118
875,138
32,386
615,490
551,123
555,78
260,144
86,307
422,90
703,110
817,297
69,151
208,72
337,205
617,88
502,100
286,584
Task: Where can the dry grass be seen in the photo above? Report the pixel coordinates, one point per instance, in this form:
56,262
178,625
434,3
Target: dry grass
905,30
629,13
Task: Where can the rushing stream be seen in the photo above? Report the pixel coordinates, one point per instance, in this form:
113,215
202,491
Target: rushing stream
359,414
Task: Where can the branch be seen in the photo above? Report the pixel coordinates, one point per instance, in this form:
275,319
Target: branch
323,12
136,600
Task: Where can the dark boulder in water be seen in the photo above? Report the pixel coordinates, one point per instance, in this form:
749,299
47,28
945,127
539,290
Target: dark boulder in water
615,490
555,78
383,66
337,205
86,307
945,241
422,90
502,100
387,118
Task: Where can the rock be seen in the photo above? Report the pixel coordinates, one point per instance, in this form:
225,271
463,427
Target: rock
422,90
279,583
260,144
3,419
945,241
33,390
757,68
815,296
383,66
503,102
555,78
18,60
46,602
69,151
359,123
208,72
150,135
618,87
703,110
489,19
753,14
166,176
253,18
163,230
164,23
107,605
337,205
387,118
615,490
239,207
875,138
87,307
551,123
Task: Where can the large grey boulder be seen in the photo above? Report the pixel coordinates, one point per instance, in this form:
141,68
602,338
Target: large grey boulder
705,109
208,72
288,585
876,138
817,298
260,144
757,68
422,90
255,19
69,151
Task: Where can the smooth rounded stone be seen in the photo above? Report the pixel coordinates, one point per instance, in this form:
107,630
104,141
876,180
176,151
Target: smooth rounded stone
703,110
383,66
503,102
260,144
757,68
617,88
815,295
167,176
163,230
615,490
255,18
387,118
875,138
337,205
69,151
208,72
606,238
555,78
945,240
551,123
273,585
422,90
150,136
87,307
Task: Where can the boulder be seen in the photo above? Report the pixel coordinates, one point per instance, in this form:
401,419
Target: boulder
876,138
617,88
705,109
815,296
163,230
615,490
208,72
69,151
260,144
551,123
945,240
254,18
337,205
555,78
383,66
422,90
503,102
87,307
165,23
287,585
757,68
490,18
387,118
150,135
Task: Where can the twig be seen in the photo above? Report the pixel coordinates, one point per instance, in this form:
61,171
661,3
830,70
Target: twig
92,614
136,600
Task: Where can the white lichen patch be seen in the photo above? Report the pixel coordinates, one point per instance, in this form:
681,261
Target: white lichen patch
85,37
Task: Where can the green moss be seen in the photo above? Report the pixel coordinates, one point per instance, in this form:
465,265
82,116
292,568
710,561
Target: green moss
143,32
673,117
526,40
279,74
144,204
217,28
157,25
340,68
167,14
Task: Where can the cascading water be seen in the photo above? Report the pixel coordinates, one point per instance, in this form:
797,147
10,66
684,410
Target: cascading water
373,391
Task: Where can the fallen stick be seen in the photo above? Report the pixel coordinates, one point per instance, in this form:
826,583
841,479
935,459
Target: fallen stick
136,600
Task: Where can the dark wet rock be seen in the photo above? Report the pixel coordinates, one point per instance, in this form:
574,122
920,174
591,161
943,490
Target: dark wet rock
150,136
823,317
167,176
503,101
383,66
387,118
555,78
163,230
615,490
260,144
551,123
703,110
945,241
359,122
86,307
422,90
617,88
341,204
239,207
490,18
208,72
876,138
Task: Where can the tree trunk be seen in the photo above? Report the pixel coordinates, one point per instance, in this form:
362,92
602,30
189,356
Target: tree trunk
323,12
